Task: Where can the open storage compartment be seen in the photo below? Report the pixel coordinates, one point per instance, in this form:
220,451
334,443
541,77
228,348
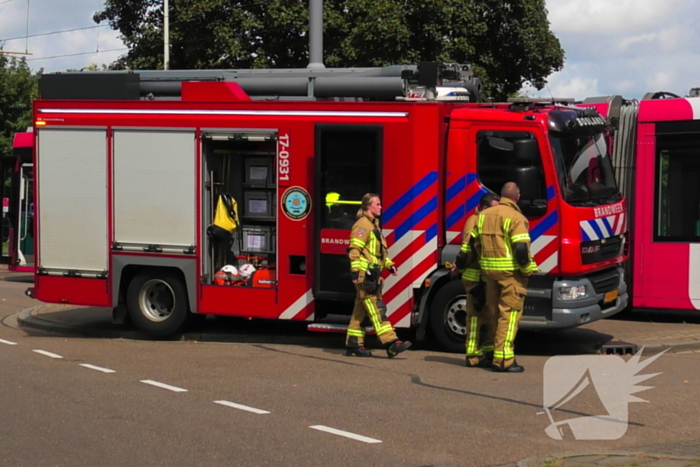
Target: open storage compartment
239,165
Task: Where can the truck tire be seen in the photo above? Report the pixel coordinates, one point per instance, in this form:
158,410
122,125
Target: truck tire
157,303
448,317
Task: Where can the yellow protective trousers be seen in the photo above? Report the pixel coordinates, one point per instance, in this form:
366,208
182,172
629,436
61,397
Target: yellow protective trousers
509,289
481,325
371,306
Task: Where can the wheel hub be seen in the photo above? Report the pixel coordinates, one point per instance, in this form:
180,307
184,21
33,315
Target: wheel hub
456,318
156,300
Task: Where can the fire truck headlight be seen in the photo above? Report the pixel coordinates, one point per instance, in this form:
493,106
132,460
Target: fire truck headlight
572,293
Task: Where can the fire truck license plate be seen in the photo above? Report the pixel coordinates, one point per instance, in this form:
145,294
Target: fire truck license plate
610,296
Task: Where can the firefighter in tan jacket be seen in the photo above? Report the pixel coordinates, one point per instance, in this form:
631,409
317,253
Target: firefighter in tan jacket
368,257
479,349
502,243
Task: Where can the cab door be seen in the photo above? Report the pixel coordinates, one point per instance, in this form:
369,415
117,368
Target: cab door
348,161
7,168
24,253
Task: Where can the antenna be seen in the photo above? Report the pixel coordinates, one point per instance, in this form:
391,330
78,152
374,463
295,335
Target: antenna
550,93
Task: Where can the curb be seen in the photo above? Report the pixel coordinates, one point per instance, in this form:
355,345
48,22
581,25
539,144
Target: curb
547,460
18,278
27,318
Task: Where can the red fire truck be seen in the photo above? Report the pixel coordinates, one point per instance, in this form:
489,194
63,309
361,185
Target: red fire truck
131,167
18,205
656,142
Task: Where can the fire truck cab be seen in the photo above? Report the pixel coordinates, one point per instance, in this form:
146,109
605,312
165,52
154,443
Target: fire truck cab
133,167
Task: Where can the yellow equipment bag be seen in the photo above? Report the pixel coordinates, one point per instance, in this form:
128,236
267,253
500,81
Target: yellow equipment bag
225,217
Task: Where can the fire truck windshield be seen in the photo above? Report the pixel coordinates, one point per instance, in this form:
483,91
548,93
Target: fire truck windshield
584,168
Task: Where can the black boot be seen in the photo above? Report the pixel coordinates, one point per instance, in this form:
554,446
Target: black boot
357,352
514,368
396,348
483,363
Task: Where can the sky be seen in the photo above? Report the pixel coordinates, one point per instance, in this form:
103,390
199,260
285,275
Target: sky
626,47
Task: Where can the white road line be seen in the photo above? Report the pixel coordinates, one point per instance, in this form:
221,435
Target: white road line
163,385
48,354
347,434
98,368
241,407
3,341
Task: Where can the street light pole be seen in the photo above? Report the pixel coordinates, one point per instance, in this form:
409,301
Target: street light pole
166,33
315,35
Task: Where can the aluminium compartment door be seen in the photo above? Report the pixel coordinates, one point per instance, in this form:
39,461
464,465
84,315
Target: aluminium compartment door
72,200
154,189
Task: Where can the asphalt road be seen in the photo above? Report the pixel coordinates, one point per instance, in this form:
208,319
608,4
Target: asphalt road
422,408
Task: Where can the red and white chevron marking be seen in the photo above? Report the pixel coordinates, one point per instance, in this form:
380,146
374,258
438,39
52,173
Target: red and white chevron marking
415,259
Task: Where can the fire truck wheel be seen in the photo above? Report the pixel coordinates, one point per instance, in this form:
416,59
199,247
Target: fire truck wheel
448,317
157,303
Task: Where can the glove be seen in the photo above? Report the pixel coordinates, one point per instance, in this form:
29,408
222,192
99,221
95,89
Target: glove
393,270
355,275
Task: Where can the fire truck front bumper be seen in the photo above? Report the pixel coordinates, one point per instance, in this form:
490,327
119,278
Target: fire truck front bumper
569,302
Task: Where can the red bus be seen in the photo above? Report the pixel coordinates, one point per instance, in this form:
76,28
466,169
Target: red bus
17,172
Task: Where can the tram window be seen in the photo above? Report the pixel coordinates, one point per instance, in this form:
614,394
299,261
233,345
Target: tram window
677,216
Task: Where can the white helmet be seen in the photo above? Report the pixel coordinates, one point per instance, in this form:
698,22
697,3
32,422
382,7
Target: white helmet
229,269
246,270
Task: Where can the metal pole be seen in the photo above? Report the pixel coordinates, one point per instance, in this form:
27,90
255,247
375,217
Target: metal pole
316,34
166,33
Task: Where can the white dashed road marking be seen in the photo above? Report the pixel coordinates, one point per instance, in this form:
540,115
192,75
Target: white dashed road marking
98,368
241,407
3,341
163,385
347,434
48,354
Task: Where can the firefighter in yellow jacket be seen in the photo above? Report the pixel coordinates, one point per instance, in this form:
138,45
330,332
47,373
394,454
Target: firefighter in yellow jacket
479,314
502,243
368,257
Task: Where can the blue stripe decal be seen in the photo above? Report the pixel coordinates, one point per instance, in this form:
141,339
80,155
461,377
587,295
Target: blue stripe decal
544,226
596,229
456,215
585,236
471,177
456,188
415,218
550,192
407,197
431,233
609,227
474,200
462,210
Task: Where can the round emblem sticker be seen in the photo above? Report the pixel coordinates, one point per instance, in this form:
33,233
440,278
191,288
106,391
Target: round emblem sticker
296,203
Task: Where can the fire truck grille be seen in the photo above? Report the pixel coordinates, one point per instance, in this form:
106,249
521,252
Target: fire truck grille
596,251
605,281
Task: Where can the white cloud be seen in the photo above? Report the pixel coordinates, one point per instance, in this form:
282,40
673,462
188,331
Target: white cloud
627,47
70,50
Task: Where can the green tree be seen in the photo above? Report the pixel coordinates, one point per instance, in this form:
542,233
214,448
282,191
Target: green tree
507,42
18,88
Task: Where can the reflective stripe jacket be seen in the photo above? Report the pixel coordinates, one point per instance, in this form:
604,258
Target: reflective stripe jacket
365,248
472,271
497,230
